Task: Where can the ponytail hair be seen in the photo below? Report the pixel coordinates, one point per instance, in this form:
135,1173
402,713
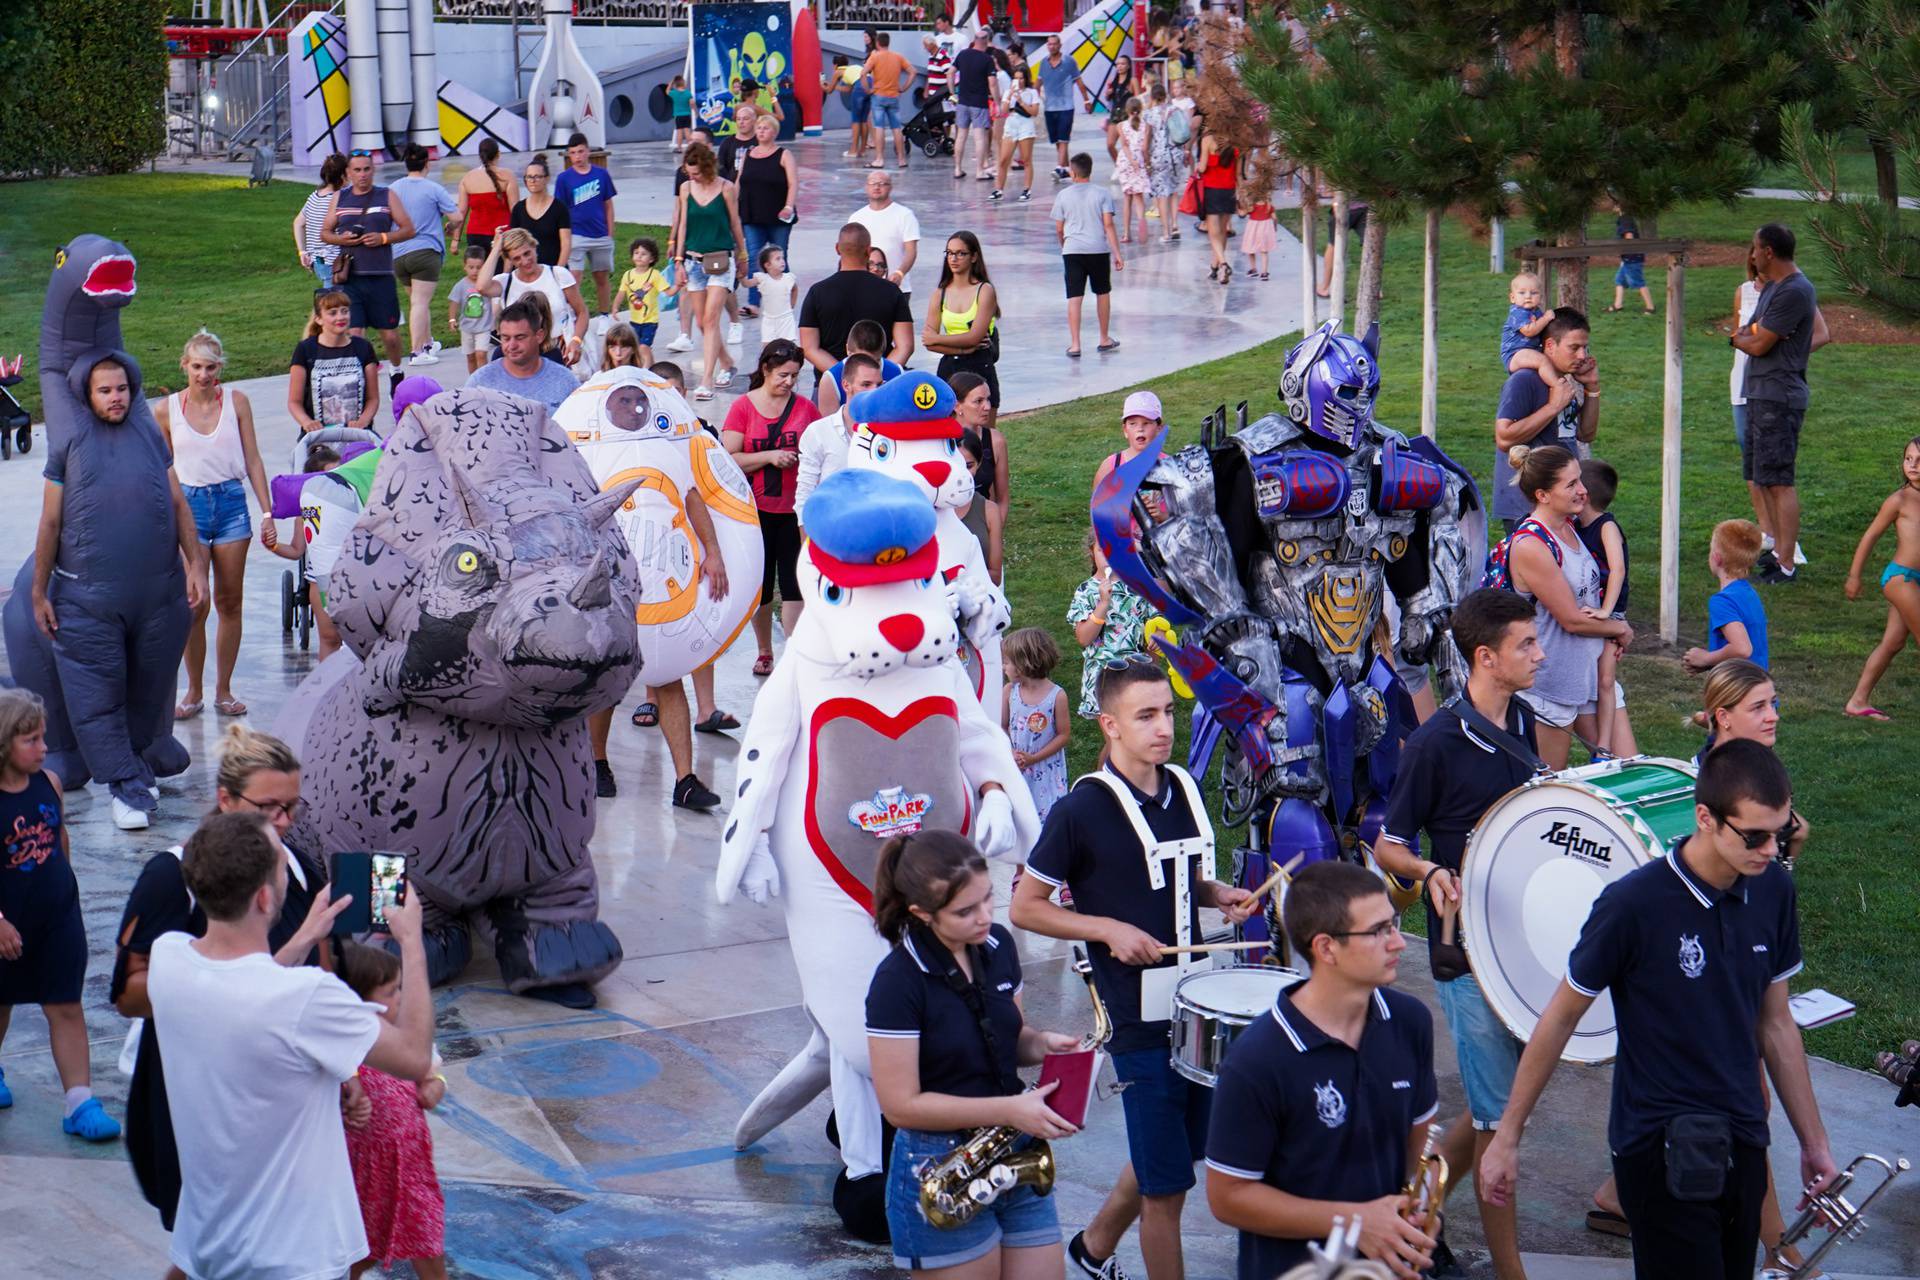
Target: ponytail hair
1537,467
489,152
921,870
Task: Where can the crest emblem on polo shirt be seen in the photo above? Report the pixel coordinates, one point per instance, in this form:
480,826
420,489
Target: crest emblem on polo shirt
1329,1105
1693,957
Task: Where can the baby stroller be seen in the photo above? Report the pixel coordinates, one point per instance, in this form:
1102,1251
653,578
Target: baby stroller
931,128
16,424
320,500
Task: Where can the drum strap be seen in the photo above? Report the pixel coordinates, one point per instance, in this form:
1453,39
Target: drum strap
1158,852
1470,717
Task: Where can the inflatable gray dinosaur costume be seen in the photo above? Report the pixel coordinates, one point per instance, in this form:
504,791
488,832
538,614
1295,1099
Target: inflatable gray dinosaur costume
486,599
118,588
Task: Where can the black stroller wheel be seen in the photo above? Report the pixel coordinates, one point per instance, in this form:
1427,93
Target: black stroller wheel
6,446
23,440
286,601
931,147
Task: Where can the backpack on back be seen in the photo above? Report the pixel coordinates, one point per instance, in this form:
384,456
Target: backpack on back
1178,127
1498,573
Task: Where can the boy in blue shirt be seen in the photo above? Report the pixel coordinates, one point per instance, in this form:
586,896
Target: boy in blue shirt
1520,337
1735,614
587,191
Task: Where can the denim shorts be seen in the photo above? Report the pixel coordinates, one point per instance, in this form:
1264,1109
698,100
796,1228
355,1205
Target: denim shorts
1488,1053
646,332
1060,125
1740,427
886,112
966,117
1631,275
1019,1219
1167,1117
697,279
220,511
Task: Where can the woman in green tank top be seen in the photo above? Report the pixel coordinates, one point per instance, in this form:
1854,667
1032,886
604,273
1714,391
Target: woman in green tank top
706,221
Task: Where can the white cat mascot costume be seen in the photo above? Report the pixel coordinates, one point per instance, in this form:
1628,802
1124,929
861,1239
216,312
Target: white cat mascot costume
906,428
868,728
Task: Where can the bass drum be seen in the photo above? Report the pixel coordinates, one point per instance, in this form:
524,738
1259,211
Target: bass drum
1534,866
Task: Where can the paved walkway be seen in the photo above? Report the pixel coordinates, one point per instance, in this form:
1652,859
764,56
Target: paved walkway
596,1144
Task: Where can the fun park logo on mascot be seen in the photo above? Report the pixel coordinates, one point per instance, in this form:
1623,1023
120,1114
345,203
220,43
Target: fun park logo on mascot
891,812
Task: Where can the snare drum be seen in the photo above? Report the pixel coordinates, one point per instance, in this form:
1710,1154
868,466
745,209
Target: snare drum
1534,866
1214,1006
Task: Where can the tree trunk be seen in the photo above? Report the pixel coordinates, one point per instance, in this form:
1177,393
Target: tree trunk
1886,173
1309,256
1366,295
1568,45
1430,329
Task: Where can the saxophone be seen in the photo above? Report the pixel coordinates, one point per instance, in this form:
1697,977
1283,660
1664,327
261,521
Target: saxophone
991,1161
1426,1191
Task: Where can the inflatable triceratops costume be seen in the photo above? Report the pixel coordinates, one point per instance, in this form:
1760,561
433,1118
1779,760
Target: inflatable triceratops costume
486,599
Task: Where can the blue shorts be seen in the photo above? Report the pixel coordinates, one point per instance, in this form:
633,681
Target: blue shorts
1631,275
698,279
1167,1117
375,305
1488,1053
886,112
859,108
966,117
1740,427
646,332
1019,1219
1059,125
220,511
1509,349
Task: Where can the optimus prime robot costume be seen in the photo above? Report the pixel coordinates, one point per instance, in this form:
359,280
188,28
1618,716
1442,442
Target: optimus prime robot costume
1275,549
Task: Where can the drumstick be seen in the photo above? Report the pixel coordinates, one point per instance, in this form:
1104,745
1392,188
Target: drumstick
1204,947
1280,874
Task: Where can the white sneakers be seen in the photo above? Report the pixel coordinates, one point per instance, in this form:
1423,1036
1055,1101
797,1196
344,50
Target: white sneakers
733,337
681,343
128,818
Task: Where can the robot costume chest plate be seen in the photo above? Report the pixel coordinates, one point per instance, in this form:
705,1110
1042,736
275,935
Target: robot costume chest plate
872,776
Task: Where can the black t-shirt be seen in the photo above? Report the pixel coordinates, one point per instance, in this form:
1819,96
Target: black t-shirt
1306,1113
1449,777
336,379
834,305
972,73
546,229
912,997
1089,845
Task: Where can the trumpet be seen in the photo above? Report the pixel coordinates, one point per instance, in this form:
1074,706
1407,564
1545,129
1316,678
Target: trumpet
993,1160
1831,1209
1427,1189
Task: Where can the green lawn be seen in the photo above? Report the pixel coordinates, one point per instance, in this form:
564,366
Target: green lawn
1857,174
211,250
1857,900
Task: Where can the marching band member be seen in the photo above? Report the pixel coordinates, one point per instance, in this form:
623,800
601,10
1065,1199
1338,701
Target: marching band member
1452,770
1134,845
944,1034
1322,1106
1696,949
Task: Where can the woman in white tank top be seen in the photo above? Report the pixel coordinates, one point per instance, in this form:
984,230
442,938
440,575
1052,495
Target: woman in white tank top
1562,580
209,428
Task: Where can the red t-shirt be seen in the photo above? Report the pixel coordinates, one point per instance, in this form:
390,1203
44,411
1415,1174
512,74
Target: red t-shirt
772,486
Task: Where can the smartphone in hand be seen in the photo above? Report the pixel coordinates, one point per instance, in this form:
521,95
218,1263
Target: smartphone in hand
376,883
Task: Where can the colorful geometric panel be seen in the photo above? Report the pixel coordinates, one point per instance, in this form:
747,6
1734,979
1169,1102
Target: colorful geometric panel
466,118
1094,40
317,89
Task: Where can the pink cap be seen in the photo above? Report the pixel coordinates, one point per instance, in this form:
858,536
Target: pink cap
1141,404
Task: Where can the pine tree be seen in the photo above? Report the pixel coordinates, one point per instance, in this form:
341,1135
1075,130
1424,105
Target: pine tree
1874,45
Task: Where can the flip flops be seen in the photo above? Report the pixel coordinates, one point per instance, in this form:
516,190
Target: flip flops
1608,1224
646,715
1111,344
763,665
188,710
718,722
1867,713
230,706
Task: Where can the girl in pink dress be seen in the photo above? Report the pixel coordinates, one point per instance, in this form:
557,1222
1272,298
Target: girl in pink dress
392,1150
1260,239
1130,143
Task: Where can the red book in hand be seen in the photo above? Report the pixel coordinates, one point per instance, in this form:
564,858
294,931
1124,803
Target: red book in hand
1075,1072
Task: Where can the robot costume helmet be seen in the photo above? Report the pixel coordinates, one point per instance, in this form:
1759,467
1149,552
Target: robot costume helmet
1329,382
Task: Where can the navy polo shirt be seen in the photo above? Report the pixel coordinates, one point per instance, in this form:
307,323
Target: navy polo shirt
1449,777
1089,846
1688,966
910,999
1305,1113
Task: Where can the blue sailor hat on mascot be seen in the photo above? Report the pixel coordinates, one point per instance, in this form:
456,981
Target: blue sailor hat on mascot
865,527
914,406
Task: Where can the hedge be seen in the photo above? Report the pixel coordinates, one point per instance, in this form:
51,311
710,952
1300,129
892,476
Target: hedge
82,86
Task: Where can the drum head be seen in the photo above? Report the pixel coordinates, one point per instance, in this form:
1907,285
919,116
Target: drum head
1532,870
1242,994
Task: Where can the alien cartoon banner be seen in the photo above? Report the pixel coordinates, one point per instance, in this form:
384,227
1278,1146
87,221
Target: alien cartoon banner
736,41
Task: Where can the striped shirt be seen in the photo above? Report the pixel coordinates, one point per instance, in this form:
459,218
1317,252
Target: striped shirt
313,215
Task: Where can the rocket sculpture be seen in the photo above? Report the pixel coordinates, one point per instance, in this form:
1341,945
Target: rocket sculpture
565,95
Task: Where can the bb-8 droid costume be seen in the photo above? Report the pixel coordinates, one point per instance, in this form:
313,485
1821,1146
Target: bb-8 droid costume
631,424
868,728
